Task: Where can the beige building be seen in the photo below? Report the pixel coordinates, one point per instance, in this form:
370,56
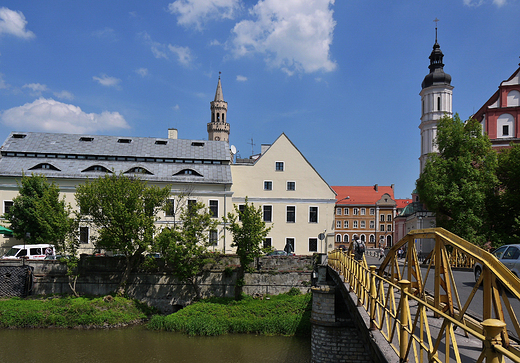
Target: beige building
294,198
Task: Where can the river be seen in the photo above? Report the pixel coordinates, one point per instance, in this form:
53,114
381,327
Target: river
137,344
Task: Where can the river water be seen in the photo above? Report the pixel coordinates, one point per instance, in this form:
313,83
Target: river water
137,344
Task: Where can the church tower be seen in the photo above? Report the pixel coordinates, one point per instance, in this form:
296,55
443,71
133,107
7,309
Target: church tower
218,128
436,98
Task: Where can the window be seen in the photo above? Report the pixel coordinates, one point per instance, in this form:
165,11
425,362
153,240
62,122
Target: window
505,130
241,209
268,185
289,245
382,217
170,208
356,211
313,245
345,211
355,224
213,208
279,166
362,238
338,238
345,224
338,224
213,237
363,224
138,170
267,242
313,214
338,211
7,205
83,234
291,185
372,211
97,168
438,103
389,227
345,238
36,251
363,211
124,141
268,213
372,238
372,225
382,227
389,218
191,204
291,214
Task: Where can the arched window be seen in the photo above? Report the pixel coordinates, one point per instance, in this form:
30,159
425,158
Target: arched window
505,126
138,170
363,238
438,103
338,238
389,241
99,168
345,238
187,172
372,238
46,166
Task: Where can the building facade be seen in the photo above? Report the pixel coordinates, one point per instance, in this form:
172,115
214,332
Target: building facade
295,200
500,115
367,212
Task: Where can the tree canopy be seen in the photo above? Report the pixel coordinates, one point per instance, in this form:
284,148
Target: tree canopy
185,246
38,214
459,182
122,210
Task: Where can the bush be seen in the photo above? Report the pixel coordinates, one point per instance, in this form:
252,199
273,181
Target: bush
285,314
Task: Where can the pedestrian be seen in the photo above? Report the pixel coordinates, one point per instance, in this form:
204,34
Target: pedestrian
359,248
381,253
400,253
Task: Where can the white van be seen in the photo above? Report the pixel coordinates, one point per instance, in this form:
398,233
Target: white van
31,252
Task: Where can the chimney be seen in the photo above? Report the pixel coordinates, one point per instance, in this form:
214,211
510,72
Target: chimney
376,187
265,147
392,186
172,134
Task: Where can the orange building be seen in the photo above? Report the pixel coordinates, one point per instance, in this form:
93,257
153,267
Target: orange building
367,212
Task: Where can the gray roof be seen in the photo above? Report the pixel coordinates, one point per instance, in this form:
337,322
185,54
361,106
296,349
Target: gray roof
71,155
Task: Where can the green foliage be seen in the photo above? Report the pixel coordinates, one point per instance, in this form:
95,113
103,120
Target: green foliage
185,246
459,182
69,312
249,231
123,210
38,215
286,314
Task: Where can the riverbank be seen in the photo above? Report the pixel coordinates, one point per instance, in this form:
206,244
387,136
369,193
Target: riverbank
285,314
71,312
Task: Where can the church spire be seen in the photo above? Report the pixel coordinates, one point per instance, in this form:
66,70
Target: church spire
218,128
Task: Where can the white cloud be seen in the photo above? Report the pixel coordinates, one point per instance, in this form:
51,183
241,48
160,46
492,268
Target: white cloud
13,22
183,54
53,116
477,3
106,33
143,72
107,81
3,84
176,107
64,95
499,3
241,78
196,12
294,35
37,88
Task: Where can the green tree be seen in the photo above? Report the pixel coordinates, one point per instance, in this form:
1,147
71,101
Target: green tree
122,210
505,218
249,231
459,182
185,246
38,214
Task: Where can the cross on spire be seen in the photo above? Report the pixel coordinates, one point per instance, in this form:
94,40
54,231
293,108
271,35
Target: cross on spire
436,21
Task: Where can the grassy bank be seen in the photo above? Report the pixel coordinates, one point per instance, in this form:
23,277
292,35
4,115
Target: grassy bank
69,312
285,314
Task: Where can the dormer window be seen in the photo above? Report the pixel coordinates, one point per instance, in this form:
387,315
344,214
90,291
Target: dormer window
86,139
196,143
46,166
138,170
124,141
97,168
161,142
187,172
19,136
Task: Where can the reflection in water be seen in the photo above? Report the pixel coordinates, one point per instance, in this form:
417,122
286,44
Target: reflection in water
137,344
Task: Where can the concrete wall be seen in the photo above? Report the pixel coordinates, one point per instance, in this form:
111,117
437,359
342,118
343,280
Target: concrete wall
101,276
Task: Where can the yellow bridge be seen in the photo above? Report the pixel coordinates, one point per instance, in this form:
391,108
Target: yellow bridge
435,326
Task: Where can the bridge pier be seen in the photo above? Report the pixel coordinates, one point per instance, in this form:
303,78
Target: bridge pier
334,336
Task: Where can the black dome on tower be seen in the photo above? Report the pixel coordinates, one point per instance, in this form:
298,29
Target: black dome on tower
437,76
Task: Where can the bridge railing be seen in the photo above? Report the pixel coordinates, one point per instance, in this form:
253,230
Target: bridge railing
431,327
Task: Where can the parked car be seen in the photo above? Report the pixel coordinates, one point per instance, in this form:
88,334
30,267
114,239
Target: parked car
31,252
509,255
277,253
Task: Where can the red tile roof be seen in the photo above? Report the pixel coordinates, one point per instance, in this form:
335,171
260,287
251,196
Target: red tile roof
402,203
361,195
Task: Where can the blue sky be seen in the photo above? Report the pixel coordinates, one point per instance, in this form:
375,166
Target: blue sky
340,78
